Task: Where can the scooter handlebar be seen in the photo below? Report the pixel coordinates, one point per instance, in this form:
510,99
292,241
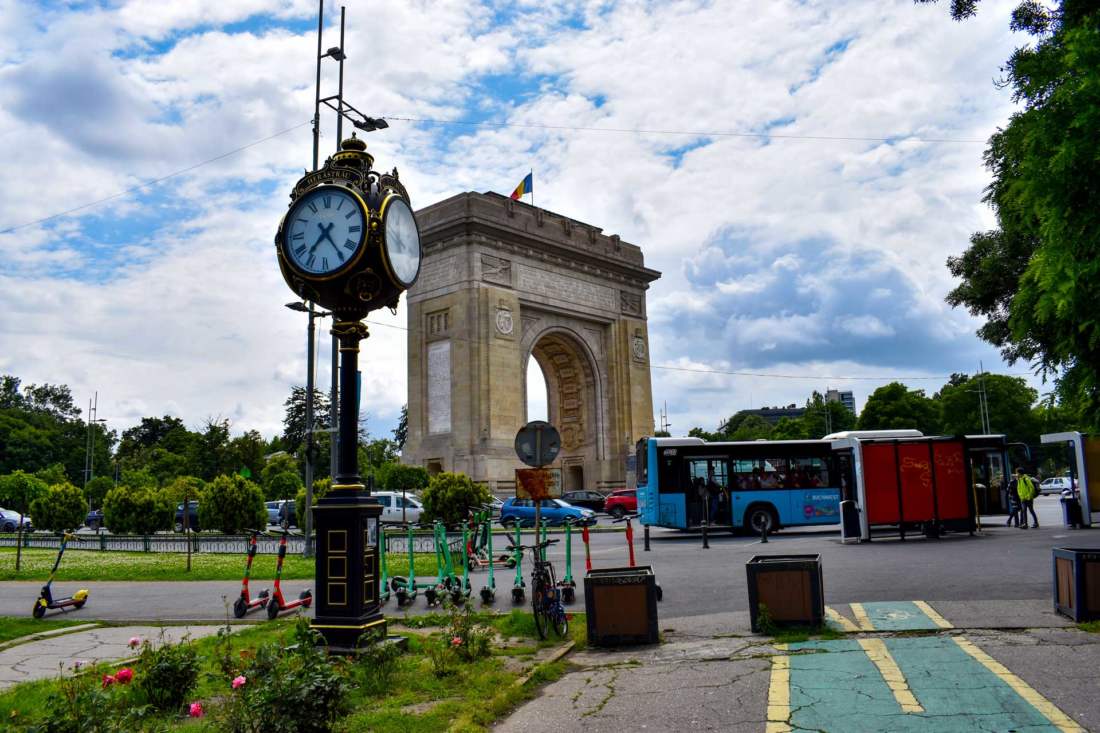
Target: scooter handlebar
625,517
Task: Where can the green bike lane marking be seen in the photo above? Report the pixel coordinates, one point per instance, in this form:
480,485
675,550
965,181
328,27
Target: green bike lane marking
897,616
907,684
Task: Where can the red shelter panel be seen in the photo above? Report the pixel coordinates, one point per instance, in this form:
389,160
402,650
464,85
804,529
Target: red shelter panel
916,482
880,481
952,488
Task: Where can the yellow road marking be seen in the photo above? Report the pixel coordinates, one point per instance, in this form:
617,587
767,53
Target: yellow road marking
931,613
861,617
779,693
841,621
891,673
1046,708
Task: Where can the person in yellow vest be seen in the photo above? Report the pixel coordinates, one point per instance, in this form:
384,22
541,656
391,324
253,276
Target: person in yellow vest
1025,487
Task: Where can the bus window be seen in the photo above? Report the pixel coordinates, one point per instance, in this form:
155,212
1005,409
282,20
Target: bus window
641,462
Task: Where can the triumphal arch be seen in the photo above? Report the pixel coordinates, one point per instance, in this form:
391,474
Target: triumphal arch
502,282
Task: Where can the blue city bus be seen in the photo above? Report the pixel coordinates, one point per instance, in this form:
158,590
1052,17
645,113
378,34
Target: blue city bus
742,485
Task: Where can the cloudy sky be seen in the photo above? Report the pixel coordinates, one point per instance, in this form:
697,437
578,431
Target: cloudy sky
797,170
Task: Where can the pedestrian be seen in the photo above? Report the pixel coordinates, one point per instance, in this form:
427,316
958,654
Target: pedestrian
1025,488
1013,505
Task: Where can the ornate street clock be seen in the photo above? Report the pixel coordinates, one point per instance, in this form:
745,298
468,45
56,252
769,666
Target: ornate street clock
349,240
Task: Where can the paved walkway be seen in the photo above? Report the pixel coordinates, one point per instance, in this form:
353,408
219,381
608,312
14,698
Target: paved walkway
44,658
903,666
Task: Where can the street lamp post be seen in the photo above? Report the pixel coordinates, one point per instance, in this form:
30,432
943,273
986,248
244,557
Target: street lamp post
310,339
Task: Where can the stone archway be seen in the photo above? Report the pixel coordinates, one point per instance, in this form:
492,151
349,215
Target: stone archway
501,283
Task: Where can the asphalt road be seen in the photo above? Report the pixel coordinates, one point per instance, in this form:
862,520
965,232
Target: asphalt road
1000,564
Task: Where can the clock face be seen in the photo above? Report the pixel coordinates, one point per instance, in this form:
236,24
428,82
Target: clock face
324,231
402,240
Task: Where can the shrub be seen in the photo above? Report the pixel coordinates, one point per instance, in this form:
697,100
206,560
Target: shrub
139,478
95,491
449,496
290,688
128,510
178,488
19,489
376,663
232,504
87,704
469,639
61,508
168,674
283,485
320,488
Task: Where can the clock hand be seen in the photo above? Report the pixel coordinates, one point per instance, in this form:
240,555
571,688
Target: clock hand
328,234
324,234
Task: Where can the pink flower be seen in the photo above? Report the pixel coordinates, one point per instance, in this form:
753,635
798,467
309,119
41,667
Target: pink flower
239,681
124,675
109,679
457,641
134,641
78,664
195,711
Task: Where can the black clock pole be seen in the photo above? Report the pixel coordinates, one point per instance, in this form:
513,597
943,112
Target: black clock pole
348,607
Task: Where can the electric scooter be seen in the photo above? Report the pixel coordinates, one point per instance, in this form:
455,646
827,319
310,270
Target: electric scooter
489,590
46,601
566,584
277,603
384,583
518,584
630,545
461,589
245,602
406,588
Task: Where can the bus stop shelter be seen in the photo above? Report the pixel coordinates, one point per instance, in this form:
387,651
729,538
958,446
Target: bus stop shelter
1084,469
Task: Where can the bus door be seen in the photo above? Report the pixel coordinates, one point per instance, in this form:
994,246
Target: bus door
708,489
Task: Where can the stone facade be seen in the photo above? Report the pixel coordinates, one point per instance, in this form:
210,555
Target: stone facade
502,282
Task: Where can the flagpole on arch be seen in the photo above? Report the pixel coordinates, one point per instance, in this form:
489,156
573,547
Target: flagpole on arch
531,173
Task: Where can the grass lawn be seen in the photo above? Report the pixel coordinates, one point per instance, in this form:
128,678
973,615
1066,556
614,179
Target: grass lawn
12,627
111,565
470,696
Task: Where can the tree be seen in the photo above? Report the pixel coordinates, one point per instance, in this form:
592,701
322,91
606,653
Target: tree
96,490
320,488
53,474
1009,400
247,451
401,478
18,490
283,485
277,464
401,432
1036,278
751,427
140,478
60,508
823,417
789,428
136,510
294,421
895,407
189,487
232,504
449,496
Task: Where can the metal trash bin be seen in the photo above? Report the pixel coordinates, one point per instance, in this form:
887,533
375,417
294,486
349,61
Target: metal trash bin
1071,512
849,522
620,606
791,588
1077,582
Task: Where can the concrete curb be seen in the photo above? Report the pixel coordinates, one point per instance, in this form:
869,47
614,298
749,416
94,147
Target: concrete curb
525,678
47,635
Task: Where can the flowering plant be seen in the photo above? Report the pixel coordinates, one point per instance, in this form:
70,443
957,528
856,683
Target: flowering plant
195,711
239,681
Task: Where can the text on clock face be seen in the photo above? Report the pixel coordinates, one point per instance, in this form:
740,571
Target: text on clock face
325,229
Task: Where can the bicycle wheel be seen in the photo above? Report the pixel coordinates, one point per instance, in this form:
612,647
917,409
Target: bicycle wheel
538,609
561,621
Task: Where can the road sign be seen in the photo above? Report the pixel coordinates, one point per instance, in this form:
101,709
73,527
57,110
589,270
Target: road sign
538,483
538,443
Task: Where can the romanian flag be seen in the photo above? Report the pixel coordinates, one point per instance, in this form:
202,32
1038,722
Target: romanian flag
527,185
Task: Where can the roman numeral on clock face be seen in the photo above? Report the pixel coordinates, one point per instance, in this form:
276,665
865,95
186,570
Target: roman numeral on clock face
349,214
324,263
299,235
350,244
328,202
300,250
354,228
311,260
312,207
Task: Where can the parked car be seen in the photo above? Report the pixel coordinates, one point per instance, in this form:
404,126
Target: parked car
588,499
397,508
1055,485
192,516
554,511
621,502
9,521
94,520
495,505
272,511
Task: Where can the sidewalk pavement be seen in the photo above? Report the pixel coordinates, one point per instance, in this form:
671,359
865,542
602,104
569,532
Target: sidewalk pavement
35,660
961,666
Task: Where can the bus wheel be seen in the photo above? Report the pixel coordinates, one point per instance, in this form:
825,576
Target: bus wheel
758,518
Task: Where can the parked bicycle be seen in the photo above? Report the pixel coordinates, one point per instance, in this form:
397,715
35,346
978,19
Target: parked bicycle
545,594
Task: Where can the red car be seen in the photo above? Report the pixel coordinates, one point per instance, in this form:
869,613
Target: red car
621,502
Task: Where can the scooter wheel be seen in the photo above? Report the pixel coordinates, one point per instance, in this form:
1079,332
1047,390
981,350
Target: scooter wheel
517,595
430,596
397,583
402,597
79,604
306,597
240,608
272,609
568,595
39,610
456,597
487,596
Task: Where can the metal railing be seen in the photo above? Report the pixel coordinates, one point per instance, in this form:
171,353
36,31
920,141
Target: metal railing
423,542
